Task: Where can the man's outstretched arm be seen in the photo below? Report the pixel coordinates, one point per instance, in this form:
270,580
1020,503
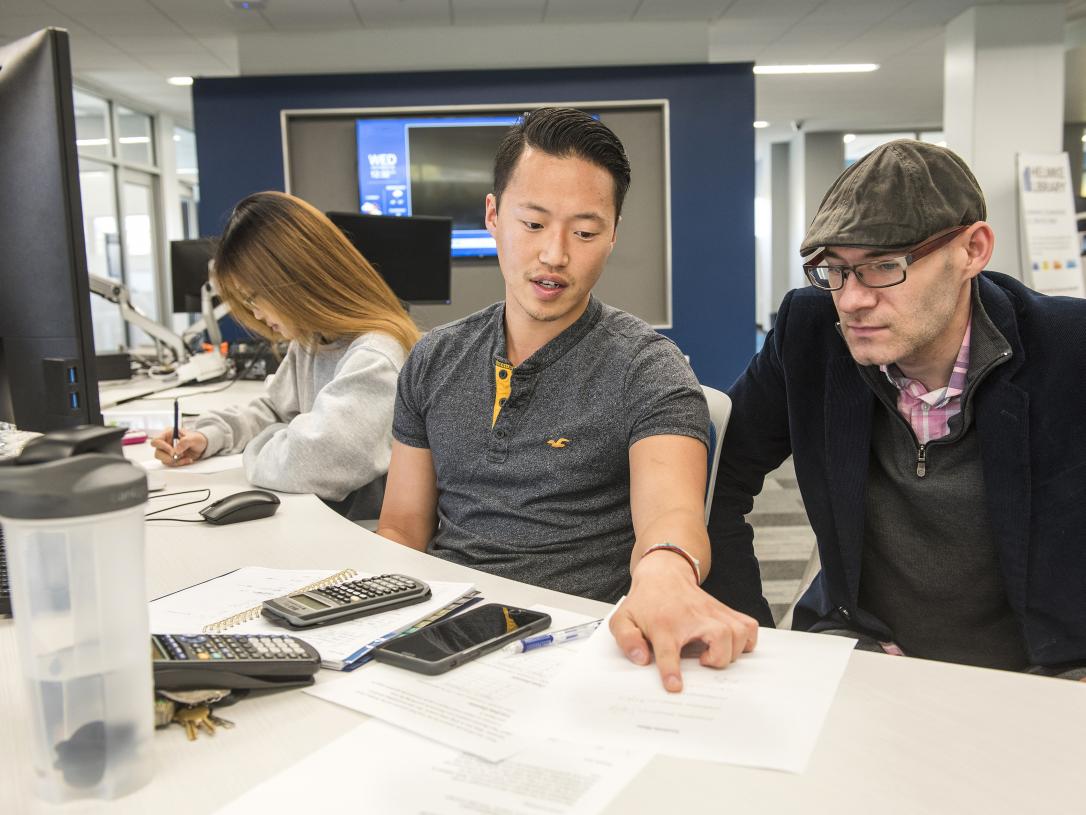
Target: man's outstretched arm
666,609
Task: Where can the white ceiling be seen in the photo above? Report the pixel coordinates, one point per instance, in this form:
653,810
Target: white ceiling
130,47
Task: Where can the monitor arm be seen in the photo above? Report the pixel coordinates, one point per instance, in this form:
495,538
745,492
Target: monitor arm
209,322
117,292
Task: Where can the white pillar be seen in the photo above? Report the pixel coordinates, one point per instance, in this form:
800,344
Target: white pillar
763,237
170,218
1003,95
815,161
781,259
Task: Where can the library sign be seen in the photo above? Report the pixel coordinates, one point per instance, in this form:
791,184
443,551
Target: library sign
1051,246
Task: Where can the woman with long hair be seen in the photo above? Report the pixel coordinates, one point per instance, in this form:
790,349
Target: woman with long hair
324,424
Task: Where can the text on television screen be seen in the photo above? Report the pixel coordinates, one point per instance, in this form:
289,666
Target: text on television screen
431,165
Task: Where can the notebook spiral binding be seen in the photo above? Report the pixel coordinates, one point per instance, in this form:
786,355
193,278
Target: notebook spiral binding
253,613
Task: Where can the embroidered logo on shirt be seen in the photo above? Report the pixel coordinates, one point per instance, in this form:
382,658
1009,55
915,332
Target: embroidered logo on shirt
558,443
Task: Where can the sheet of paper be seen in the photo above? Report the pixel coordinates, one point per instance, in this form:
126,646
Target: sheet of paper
205,466
398,773
765,710
468,708
190,610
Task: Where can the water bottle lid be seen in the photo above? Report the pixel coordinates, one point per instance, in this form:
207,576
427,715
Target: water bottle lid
88,484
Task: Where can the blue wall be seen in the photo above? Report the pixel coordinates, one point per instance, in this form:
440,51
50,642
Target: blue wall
239,145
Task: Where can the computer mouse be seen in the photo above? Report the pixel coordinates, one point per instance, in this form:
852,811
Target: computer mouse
241,506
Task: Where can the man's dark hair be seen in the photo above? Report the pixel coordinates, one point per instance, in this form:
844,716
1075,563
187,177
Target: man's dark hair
564,132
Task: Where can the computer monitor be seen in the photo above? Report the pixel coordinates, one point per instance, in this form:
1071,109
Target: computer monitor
47,368
188,272
412,253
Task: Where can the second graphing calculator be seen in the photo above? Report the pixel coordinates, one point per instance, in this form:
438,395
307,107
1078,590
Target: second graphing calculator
254,661
345,601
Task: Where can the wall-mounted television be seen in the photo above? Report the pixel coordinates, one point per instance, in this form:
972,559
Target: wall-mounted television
432,165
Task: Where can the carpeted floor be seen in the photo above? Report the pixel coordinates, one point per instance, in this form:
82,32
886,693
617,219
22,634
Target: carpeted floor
783,539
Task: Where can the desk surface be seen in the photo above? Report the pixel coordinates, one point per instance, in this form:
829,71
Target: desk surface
902,736
194,398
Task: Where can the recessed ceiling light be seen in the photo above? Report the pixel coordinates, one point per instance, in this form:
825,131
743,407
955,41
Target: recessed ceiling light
849,68
180,81
246,5
849,138
761,123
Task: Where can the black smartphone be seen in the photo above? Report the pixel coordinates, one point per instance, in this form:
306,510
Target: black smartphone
444,645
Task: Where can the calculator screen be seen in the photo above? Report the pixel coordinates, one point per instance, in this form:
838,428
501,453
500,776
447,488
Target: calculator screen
308,602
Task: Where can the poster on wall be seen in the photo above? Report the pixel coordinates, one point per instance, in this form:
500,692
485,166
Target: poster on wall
1051,246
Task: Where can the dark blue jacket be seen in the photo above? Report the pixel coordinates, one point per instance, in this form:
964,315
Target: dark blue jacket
803,395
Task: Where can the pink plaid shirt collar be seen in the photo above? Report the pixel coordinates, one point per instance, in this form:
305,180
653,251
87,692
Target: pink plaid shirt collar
929,412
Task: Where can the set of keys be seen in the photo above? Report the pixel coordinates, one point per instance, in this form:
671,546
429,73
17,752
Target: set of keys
199,716
192,710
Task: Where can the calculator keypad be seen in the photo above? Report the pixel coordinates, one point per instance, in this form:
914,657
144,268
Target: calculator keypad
5,593
368,590
217,647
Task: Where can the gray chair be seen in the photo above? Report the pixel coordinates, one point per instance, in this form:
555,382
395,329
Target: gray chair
720,410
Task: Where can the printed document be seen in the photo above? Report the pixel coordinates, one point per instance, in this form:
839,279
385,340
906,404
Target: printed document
398,773
468,708
764,710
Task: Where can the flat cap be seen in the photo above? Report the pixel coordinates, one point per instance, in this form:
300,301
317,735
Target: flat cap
899,194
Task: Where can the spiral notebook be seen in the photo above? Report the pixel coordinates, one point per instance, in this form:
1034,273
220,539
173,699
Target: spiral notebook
231,603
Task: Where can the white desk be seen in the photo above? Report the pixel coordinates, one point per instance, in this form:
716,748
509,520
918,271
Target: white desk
194,398
903,735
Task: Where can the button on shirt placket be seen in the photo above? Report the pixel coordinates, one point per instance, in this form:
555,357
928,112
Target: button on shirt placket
502,431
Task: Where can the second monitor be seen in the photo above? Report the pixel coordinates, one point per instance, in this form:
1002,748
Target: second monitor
411,253
188,272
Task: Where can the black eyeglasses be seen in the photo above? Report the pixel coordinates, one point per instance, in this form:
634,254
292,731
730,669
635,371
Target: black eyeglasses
878,274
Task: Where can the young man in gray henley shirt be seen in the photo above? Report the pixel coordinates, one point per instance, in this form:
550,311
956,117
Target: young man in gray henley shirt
552,439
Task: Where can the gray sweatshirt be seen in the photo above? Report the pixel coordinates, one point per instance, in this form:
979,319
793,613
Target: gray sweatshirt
323,426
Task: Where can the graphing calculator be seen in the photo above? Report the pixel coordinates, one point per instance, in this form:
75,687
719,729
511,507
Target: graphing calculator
254,661
5,592
345,601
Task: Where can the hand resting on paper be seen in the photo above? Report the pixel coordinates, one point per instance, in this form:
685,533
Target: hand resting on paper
191,444
665,612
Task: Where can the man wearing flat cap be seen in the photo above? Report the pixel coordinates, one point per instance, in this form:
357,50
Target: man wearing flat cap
936,414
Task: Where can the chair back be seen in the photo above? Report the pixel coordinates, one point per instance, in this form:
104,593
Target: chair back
720,410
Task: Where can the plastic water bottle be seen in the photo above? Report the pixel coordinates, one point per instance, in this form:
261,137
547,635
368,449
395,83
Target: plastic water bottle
74,536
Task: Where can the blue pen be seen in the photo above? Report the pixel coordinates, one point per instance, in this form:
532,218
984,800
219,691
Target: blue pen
553,638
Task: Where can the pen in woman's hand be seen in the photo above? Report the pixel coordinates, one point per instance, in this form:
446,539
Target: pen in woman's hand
176,429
